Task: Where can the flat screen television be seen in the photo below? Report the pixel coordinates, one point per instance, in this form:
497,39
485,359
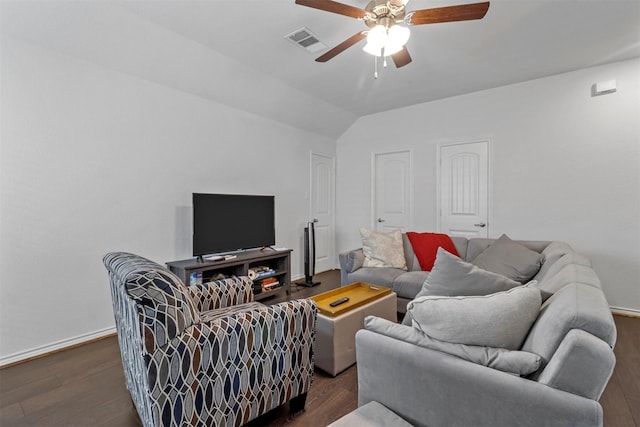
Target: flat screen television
230,222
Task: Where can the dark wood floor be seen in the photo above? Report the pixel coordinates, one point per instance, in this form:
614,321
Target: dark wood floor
84,386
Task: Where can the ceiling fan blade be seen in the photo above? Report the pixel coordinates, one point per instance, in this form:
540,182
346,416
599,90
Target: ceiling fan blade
401,58
341,47
334,7
463,12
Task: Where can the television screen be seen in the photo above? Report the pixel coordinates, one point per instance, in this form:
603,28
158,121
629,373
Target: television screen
228,222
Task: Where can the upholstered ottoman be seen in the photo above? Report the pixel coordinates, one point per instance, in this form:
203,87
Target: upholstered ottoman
336,327
373,414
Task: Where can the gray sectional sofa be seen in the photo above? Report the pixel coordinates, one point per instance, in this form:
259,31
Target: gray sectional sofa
443,384
407,283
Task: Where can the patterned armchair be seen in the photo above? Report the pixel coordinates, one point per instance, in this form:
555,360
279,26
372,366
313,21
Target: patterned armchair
207,355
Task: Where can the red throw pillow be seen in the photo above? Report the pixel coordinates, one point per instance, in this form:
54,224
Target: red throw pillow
425,246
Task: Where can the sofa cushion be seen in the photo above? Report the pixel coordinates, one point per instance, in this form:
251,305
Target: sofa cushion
511,259
383,249
552,253
498,320
461,246
570,273
426,246
511,361
550,267
410,256
383,276
408,284
451,276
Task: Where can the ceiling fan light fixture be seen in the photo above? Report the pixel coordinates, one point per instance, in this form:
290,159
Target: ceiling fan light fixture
398,35
390,49
377,37
382,41
372,50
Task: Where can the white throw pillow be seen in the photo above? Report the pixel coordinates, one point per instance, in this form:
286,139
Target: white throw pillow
383,249
501,320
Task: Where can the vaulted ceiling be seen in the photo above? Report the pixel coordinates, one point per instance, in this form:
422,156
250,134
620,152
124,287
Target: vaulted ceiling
235,51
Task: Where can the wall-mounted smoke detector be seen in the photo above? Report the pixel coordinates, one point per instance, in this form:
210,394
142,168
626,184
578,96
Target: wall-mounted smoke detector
306,40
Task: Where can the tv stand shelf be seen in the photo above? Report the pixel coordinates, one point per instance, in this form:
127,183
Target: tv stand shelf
278,260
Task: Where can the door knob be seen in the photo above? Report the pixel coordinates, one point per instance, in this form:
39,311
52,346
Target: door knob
380,220
315,220
481,225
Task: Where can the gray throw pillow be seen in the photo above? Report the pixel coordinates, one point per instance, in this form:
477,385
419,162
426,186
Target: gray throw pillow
511,259
511,361
451,276
383,249
498,320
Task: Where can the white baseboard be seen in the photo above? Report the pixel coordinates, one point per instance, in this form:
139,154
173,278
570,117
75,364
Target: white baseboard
53,347
625,311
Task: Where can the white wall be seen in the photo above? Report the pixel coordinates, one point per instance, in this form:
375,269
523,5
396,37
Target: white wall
93,160
566,165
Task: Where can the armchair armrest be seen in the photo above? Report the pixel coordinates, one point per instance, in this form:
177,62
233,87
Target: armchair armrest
427,387
265,353
221,293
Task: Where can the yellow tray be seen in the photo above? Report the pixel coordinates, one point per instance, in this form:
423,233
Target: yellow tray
358,293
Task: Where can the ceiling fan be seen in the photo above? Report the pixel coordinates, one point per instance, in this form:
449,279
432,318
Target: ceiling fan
387,21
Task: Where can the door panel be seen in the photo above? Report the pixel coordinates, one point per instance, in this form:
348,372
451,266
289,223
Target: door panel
392,192
322,210
464,189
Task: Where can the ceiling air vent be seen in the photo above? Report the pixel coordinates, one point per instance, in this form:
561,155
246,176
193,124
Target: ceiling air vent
306,40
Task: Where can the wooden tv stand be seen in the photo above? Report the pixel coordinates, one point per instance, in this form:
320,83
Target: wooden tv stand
278,260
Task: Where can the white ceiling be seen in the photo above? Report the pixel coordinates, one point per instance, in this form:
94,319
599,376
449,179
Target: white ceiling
234,51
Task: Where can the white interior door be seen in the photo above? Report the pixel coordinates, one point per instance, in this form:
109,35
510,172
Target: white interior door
392,190
322,210
464,189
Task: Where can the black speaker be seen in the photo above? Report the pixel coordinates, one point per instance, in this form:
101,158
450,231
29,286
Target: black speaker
309,256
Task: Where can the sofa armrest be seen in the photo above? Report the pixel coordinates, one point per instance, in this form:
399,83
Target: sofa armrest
265,353
427,387
583,365
221,293
350,261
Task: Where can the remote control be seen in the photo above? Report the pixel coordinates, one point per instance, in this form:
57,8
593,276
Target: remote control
339,301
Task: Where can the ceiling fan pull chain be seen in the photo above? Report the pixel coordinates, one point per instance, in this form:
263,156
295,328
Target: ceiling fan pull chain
375,67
